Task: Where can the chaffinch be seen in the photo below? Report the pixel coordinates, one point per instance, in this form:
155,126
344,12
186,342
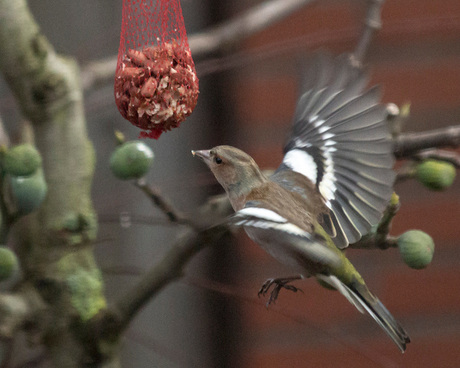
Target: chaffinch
332,186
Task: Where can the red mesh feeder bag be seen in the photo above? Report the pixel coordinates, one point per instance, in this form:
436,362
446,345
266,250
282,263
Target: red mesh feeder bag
156,86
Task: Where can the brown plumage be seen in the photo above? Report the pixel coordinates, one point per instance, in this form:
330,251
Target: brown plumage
285,224
332,186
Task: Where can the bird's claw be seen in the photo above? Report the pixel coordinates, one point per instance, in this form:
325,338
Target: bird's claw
278,284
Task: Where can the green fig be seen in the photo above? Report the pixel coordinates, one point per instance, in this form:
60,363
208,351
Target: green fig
435,175
131,160
8,263
416,248
22,160
28,192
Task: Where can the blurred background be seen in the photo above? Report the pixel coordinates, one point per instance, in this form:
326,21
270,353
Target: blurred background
212,317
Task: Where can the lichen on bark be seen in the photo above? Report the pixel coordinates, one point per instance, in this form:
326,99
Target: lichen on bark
55,243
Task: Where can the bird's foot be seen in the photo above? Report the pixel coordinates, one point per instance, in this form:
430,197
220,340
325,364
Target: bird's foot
278,284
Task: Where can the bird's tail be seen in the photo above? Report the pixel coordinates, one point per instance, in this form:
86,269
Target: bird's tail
360,296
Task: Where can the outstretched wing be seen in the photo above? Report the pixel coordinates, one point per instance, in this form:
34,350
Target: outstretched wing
340,142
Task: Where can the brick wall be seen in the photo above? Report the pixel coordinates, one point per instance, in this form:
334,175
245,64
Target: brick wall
416,58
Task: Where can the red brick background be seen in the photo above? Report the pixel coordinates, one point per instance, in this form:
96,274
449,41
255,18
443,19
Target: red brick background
416,58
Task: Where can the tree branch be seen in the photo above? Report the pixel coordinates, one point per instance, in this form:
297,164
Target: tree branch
406,172
162,203
242,26
408,144
213,40
48,91
373,23
440,155
379,237
167,270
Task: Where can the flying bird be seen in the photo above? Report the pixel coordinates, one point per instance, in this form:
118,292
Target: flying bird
332,186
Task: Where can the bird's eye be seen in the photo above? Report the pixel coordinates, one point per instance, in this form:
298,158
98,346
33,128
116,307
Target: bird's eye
217,160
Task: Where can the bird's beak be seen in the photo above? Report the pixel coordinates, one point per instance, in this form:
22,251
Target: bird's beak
205,155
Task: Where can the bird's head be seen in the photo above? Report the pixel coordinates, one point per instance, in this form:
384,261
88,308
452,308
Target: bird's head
235,170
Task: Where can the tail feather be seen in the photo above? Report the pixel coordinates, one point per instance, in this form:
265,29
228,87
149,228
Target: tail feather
382,316
360,296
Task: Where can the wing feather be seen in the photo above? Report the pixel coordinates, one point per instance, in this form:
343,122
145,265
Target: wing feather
340,141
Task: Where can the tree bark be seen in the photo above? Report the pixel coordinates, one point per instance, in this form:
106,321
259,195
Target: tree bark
55,247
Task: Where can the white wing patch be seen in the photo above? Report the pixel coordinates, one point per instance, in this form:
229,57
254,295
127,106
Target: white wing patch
285,241
263,218
300,161
261,214
327,186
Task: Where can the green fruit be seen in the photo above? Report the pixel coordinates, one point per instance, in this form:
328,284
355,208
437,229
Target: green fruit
22,160
436,175
416,248
28,192
8,263
131,160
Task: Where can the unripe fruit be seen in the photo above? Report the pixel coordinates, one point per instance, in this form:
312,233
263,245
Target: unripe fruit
22,160
28,192
131,160
436,175
8,263
416,248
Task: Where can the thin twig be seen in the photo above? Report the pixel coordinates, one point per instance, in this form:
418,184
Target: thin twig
242,26
409,144
372,242
406,172
440,155
373,23
167,270
162,203
380,238
383,230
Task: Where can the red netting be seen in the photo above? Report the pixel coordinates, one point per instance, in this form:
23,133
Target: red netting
156,86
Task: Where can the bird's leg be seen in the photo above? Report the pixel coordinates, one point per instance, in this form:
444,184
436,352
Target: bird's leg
278,284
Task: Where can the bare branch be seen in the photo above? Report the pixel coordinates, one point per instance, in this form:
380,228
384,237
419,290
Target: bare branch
374,243
372,24
161,202
408,144
440,155
98,72
216,207
380,238
212,40
48,91
239,28
406,172
167,270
